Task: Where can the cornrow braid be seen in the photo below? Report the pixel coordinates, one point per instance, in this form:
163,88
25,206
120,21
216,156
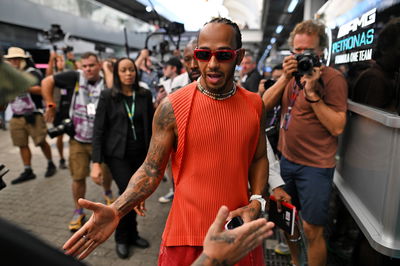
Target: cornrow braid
229,22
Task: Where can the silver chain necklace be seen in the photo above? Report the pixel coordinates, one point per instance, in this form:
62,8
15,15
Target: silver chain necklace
216,96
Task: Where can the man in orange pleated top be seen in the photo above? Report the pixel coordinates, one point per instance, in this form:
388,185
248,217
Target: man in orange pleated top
215,133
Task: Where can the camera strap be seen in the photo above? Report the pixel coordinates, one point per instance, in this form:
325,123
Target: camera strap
293,96
297,79
131,113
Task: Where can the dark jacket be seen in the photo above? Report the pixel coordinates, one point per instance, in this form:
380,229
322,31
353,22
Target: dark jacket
111,123
252,81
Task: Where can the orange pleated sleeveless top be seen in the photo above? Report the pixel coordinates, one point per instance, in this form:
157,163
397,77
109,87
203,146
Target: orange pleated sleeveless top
216,144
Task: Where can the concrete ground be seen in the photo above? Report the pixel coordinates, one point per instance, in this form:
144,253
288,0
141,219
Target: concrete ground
44,207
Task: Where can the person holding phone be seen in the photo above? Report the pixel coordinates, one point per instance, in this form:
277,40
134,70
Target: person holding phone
227,247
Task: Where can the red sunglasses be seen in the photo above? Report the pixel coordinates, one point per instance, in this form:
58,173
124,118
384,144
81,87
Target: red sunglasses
205,55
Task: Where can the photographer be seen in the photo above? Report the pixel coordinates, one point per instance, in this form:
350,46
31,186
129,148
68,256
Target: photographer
27,120
313,115
83,90
56,65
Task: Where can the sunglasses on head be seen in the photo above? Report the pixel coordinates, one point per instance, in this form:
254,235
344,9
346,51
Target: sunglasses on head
221,55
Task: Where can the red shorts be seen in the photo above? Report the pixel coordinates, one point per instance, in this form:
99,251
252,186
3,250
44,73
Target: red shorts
186,255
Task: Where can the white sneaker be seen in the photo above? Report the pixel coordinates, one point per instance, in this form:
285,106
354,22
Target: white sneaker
167,197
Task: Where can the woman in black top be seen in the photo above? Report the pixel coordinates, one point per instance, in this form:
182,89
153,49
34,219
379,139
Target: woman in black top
121,137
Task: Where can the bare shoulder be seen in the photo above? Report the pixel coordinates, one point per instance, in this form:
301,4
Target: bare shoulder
164,117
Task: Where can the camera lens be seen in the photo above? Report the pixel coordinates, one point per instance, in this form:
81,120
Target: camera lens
305,65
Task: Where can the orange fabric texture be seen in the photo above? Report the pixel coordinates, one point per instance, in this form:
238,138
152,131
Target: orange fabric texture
216,144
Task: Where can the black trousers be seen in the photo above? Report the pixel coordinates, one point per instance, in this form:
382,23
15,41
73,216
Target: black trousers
122,171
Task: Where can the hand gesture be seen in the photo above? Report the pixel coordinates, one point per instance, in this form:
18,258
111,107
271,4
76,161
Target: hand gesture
145,53
96,173
228,247
53,55
281,195
98,229
49,114
248,213
140,209
107,66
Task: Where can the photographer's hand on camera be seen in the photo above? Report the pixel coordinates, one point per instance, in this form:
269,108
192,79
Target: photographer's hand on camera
311,85
289,67
273,95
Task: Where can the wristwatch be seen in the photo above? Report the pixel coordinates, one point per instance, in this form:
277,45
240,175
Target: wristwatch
260,199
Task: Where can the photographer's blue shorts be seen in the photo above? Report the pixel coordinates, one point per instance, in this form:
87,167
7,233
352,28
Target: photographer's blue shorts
310,189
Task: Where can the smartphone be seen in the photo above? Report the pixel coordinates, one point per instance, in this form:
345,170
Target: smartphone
234,222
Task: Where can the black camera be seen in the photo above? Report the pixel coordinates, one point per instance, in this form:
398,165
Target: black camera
306,62
175,28
67,49
268,83
54,34
66,126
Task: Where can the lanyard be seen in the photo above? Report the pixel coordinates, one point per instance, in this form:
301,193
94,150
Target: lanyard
275,117
131,114
292,100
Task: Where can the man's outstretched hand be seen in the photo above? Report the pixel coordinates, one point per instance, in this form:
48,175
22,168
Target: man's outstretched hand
228,246
98,229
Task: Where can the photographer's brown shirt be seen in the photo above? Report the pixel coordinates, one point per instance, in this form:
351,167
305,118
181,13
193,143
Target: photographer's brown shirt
307,141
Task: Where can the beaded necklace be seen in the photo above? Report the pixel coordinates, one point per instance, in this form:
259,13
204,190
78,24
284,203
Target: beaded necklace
216,96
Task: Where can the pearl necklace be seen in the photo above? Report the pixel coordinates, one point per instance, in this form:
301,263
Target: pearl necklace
216,96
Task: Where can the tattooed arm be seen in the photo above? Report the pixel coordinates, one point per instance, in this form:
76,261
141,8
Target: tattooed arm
148,176
105,219
226,247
